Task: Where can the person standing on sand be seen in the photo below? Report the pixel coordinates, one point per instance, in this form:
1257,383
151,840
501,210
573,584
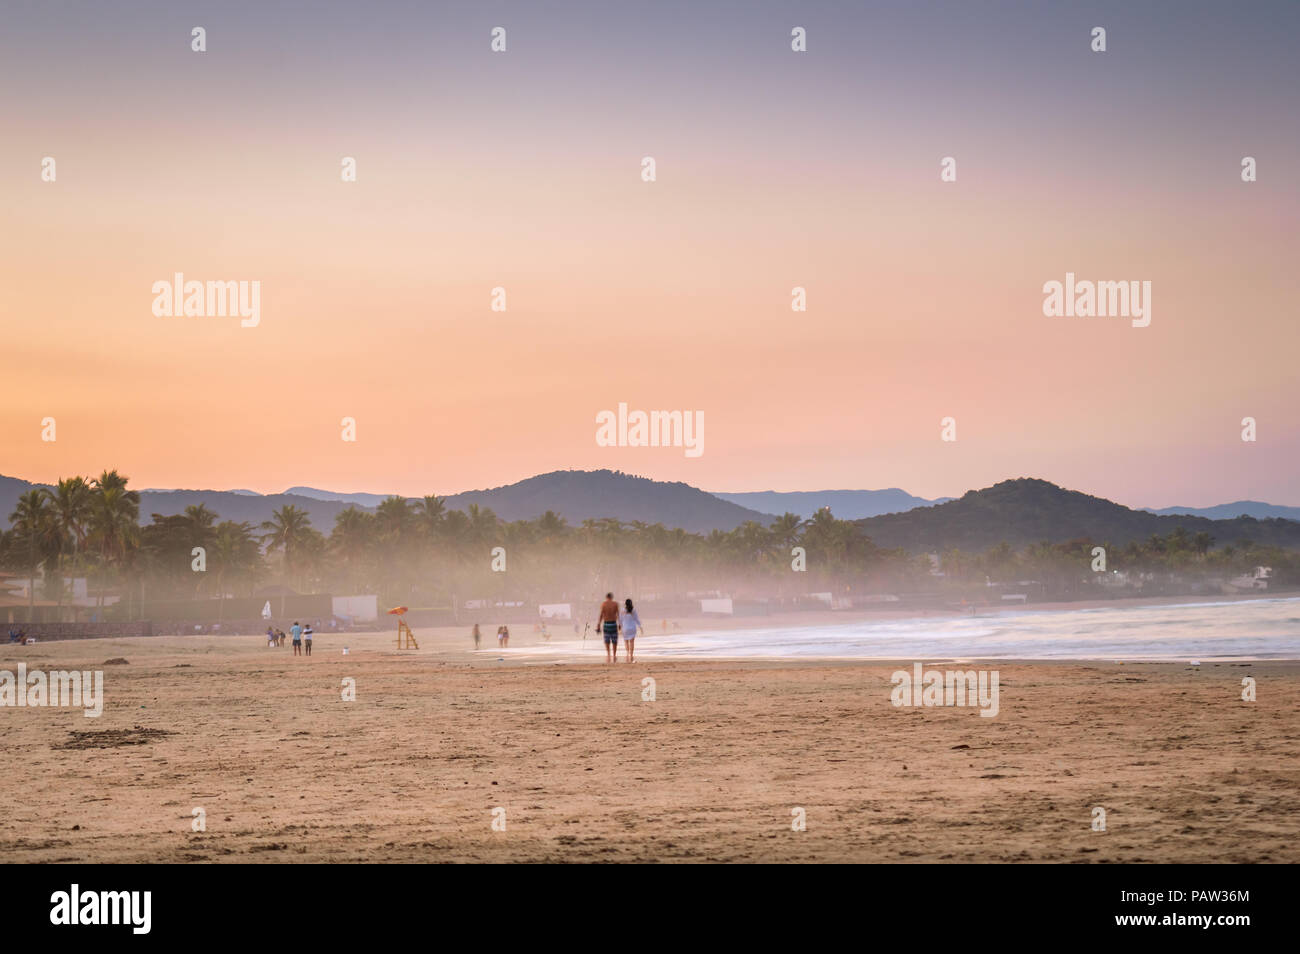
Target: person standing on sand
608,626
306,640
478,637
630,623
504,638
296,632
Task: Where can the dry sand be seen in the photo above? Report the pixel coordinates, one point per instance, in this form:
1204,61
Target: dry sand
587,771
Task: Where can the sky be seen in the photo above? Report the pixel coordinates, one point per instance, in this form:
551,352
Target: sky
774,169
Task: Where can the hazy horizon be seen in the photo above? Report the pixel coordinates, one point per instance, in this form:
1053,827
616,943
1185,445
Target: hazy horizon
467,490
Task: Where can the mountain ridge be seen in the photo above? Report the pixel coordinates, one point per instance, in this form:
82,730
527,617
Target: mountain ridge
576,495
1028,510
844,504
1249,508
1020,511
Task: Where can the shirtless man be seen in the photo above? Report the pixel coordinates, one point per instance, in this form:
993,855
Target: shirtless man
608,626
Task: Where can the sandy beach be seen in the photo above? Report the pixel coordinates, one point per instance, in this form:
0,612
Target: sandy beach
587,770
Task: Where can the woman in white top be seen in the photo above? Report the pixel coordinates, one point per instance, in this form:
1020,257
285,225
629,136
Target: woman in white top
629,622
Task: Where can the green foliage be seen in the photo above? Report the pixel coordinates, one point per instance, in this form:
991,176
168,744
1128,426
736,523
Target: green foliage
420,553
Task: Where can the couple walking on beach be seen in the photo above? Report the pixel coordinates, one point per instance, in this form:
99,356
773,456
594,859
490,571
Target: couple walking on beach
612,620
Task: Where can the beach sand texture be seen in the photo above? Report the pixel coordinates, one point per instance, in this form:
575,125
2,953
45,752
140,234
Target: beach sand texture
586,770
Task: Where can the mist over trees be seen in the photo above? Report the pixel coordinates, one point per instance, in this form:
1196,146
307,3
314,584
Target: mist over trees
418,552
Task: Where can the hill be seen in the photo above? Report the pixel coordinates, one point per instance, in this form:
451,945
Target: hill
235,505
1028,510
1249,508
360,499
1020,512
574,494
844,504
578,495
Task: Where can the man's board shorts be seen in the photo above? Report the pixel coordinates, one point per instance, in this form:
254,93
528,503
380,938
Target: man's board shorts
611,633
297,641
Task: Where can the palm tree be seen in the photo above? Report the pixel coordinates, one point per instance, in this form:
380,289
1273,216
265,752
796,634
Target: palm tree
200,521
785,530
395,520
310,557
113,521
551,526
287,530
197,521
430,511
1202,542
827,537
236,552
753,541
353,538
35,529
71,499
482,523
112,480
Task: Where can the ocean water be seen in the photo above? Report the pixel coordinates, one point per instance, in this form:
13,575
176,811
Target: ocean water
1258,629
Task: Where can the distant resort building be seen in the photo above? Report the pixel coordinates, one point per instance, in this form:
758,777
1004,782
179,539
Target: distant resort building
1254,581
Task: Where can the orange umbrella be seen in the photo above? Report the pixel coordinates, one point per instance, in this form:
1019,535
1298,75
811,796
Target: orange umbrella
397,611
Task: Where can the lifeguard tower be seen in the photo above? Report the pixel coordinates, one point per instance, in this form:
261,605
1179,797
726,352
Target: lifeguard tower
405,638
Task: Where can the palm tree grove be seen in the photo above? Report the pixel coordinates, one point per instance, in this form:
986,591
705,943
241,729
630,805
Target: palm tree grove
419,553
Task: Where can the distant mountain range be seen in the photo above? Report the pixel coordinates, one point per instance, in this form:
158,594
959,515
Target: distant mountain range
1248,508
576,495
1027,511
844,504
1020,511
361,500
579,495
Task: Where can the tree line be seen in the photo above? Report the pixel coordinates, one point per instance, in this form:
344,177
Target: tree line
418,552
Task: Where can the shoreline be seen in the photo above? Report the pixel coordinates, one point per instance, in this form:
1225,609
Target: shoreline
798,618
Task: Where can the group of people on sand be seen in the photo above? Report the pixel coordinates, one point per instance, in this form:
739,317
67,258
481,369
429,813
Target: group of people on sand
615,620
300,634
503,636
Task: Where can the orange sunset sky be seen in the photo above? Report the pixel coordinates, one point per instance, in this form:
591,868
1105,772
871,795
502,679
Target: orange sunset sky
775,169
